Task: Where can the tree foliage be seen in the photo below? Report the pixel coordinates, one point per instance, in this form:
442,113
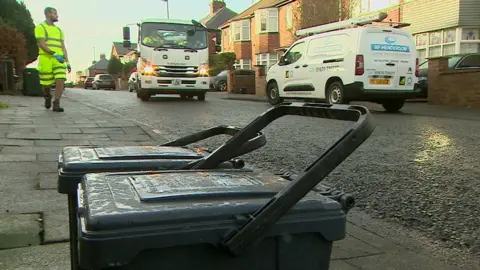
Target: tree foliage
12,45
221,61
16,15
115,66
128,67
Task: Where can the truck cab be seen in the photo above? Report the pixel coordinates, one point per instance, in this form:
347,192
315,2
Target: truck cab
173,58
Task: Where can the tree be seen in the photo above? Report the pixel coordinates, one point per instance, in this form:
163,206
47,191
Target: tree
115,66
15,14
221,61
127,68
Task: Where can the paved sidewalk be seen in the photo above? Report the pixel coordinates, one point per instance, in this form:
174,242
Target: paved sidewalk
33,216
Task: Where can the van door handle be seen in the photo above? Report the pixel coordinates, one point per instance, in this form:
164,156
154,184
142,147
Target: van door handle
390,64
297,66
305,65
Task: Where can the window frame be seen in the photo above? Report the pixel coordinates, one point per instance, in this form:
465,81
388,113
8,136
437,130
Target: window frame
270,15
238,28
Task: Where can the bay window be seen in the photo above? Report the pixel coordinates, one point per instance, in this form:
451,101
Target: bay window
266,20
241,30
243,64
267,60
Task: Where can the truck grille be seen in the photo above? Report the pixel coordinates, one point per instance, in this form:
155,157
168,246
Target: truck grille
177,71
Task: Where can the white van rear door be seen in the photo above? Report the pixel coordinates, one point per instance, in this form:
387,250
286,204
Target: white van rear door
407,61
381,60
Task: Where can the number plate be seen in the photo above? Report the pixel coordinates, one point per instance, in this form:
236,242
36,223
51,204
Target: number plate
176,82
380,81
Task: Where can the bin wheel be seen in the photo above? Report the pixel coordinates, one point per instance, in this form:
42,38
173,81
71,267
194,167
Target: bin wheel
201,97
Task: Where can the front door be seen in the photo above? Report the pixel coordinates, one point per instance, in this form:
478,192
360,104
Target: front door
296,82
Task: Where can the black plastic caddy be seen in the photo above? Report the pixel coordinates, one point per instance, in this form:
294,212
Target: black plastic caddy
75,162
200,218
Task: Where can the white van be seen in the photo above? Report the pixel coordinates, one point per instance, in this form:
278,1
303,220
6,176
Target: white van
368,63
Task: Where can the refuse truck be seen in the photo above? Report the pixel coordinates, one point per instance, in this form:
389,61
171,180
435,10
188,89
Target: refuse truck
172,58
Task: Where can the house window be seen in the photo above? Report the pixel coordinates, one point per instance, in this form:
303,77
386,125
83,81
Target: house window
268,20
241,30
267,59
289,16
243,64
437,43
373,5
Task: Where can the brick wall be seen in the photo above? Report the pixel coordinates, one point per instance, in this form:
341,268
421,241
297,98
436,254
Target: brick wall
238,82
452,88
287,35
260,81
243,49
226,44
267,43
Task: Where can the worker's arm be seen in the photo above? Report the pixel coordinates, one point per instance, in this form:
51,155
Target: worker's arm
65,54
40,36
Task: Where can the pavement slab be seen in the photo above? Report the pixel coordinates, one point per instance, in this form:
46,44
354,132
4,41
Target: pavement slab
17,157
103,130
44,257
130,137
341,265
352,247
19,230
133,130
47,157
17,181
85,136
32,201
118,124
58,130
13,142
55,225
31,149
62,143
33,136
47,180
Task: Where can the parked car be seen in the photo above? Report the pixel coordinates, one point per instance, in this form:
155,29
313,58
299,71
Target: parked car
219,82
455,62
89,82
132,82
103,81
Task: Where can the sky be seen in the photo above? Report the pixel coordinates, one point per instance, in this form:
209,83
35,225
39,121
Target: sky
90,24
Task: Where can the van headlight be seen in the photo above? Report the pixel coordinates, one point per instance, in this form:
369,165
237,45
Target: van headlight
203,70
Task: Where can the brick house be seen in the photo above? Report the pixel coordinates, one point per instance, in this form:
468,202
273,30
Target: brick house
218,15
99,67
124,54
440,27
258,33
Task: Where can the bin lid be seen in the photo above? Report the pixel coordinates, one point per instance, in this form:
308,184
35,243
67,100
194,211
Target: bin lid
171,201
85,159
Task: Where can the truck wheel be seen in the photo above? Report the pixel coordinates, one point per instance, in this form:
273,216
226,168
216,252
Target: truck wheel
273,94
190,96
335,93
393,105
145,97
138,95
201,97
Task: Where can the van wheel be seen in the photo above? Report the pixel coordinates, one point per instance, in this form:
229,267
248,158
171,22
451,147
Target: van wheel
335,93
393,105
273,94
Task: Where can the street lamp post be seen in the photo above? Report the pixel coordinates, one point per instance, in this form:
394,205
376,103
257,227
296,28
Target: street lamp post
168,12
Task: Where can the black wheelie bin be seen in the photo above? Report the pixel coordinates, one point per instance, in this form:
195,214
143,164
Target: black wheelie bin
75,162
200,218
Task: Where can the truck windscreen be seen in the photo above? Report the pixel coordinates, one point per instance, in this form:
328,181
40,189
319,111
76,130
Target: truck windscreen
175,36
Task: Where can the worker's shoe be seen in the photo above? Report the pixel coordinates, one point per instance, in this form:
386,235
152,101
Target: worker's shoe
56,106
48,102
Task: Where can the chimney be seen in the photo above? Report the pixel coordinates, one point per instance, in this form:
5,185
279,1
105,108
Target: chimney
102,56
216,5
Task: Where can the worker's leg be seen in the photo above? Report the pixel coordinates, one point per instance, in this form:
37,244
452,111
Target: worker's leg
60,74
45,70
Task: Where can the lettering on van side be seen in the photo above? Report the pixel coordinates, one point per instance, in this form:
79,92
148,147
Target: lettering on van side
323,69
390,48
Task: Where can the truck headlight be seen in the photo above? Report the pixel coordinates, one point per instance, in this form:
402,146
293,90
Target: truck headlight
203,70
148,70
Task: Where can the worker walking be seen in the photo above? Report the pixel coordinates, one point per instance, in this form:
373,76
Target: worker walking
53,58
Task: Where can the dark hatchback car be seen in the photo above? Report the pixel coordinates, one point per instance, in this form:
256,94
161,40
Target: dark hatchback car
455,62
103,81
88,82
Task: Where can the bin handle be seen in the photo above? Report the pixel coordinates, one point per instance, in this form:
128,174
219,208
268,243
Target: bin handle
255,142
251,232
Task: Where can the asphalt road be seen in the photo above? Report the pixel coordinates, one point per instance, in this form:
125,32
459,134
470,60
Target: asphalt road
419,171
